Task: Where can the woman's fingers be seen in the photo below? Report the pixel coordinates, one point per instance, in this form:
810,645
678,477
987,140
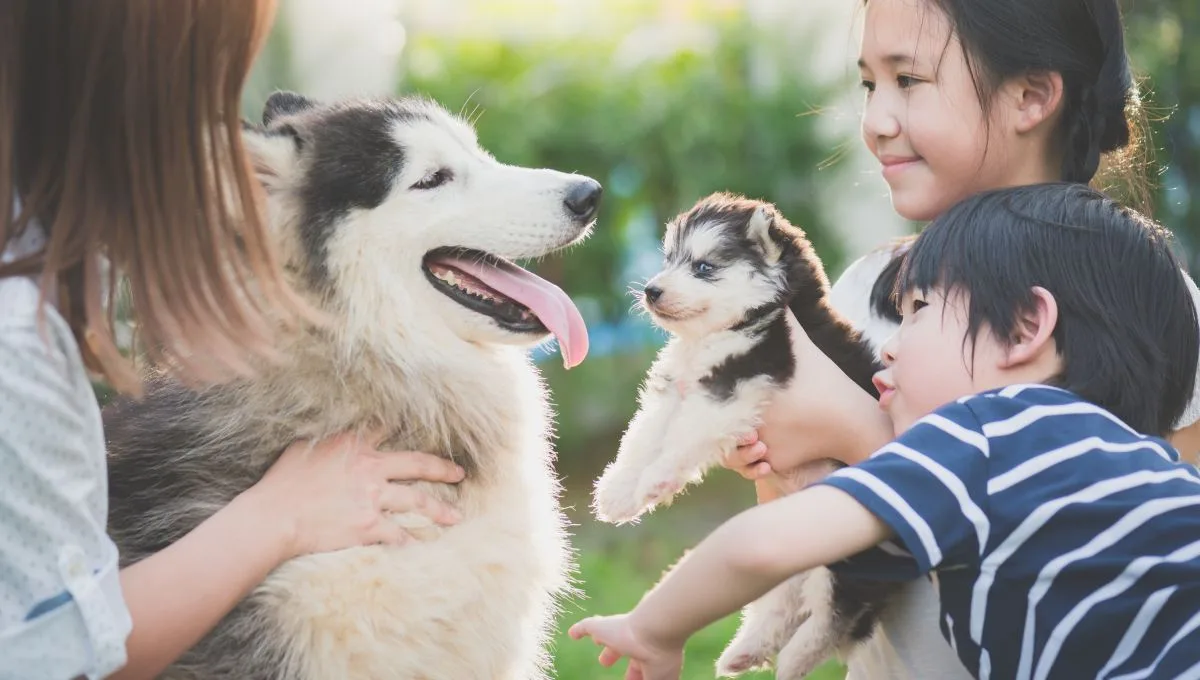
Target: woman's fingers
409,466
390,533
400,498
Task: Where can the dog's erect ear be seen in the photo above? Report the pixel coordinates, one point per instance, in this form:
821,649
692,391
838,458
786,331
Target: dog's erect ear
274,154
759,231
283,104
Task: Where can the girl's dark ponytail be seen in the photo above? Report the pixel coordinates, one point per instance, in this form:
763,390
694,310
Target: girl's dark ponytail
1095,116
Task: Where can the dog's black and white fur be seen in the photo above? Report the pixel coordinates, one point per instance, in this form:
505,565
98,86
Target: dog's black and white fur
732,268
382,209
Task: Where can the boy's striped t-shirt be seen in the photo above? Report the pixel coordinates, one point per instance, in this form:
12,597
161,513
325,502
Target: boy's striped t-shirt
1063,544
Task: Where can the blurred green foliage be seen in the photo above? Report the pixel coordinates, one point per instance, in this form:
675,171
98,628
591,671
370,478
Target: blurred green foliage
659,134
1161,37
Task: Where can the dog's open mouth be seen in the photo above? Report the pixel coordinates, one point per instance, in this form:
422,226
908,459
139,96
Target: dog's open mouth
518,300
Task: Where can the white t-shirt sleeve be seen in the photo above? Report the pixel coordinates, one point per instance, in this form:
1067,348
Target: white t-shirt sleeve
851,297
1191,413
62,614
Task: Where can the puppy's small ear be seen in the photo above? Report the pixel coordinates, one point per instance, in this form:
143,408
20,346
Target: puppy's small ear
759,231
274,154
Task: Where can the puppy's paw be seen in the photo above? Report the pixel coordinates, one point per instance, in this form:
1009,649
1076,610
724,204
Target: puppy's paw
812,645
744,655
616,499
654,490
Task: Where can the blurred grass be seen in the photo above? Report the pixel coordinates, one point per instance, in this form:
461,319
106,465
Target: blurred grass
618,564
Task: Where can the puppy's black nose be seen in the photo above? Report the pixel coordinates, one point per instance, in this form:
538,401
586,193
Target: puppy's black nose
583,199
653,293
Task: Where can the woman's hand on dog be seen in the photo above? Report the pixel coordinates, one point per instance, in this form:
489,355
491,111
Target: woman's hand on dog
821,415
336,493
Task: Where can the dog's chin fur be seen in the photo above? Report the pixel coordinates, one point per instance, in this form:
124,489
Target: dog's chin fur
474,600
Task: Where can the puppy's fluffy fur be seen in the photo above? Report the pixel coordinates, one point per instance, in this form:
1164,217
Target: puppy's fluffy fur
732,268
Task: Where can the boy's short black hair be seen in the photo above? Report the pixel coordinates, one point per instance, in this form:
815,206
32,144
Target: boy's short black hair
1127,327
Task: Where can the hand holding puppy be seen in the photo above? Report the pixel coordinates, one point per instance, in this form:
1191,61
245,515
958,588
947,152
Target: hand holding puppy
821,415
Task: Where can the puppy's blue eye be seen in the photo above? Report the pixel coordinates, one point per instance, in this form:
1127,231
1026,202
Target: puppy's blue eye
702,267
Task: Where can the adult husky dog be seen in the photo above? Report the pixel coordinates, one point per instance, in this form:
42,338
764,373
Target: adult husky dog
401,229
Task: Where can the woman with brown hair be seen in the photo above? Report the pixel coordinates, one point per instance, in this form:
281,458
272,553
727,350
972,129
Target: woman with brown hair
121,156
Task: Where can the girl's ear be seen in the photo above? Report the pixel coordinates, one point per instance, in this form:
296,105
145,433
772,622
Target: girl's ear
1035,98
1033,334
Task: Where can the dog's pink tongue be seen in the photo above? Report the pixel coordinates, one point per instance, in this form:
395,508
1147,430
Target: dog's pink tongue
547,301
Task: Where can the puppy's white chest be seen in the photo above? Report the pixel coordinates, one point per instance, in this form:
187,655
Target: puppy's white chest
683,364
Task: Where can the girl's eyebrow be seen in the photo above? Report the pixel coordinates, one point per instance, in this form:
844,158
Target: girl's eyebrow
896,59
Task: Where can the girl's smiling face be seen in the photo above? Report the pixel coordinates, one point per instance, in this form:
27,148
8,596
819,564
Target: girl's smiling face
923,119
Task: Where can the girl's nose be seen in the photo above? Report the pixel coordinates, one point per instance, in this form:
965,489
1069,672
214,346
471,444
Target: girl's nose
879,120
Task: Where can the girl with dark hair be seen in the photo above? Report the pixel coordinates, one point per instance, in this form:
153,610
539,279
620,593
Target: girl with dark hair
962,96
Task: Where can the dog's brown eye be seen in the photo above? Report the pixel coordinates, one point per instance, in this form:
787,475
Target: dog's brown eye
434,179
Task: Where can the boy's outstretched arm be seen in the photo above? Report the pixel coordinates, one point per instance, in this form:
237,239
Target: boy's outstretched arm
738,563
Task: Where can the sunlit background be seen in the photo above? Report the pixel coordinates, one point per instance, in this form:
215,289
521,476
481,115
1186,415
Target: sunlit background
664,102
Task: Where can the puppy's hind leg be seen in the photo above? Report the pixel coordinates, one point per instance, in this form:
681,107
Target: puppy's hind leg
820,636
767,625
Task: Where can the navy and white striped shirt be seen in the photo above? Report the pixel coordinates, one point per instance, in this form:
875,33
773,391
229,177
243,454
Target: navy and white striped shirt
1063,544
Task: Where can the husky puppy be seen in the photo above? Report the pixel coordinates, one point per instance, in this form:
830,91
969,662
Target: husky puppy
733,267
403,231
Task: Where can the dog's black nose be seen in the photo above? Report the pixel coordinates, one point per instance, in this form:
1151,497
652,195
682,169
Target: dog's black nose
583,199
653,293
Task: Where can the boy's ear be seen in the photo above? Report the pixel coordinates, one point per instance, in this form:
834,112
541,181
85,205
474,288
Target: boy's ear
1036,97
1033,333
759,231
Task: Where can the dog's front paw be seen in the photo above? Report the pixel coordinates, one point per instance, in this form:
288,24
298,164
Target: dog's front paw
616,499
654,489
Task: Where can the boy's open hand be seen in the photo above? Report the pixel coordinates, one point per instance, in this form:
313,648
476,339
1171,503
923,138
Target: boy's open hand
619,638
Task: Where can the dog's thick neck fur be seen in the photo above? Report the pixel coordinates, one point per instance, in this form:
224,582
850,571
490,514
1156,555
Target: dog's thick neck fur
356,385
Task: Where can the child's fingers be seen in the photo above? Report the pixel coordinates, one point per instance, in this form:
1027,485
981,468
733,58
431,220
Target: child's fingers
747,439
579,630
742,458
755,453
751,453
609,656
762,469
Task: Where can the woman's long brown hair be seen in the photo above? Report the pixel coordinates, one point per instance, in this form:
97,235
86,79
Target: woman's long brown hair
120,134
